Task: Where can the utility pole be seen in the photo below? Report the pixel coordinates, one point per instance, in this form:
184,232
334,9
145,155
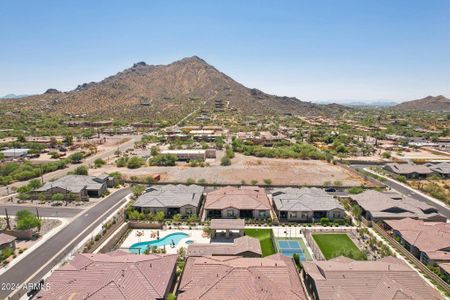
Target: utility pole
37,213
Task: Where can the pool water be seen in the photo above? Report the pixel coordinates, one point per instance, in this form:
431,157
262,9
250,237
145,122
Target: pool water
173,238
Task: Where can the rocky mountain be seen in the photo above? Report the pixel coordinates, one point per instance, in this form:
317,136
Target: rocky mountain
430,103
165,91
13,96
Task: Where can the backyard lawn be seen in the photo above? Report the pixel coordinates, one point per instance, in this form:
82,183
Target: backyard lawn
336,244
265,239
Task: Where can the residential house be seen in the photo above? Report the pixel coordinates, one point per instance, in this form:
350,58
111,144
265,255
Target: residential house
443,169
247,202
389,278
76,186
114,275
244,246
410,171
191,154
428,241
306,205
171,199
234,278
392,206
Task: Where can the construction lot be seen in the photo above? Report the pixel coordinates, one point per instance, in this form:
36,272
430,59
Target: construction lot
245,169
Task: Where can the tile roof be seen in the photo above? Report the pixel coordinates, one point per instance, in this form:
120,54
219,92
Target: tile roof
441,168
115,275
392,205
240,245
224,224
170,196
244,198
387,278
74,183
409,168
304,199
6,238
236,278
429,237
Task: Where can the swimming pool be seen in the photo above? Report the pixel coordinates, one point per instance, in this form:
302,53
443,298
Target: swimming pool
167,240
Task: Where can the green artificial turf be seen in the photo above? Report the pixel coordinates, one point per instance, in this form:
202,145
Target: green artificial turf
336,244
265,239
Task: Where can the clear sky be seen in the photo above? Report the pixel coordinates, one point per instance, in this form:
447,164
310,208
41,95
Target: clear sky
314,50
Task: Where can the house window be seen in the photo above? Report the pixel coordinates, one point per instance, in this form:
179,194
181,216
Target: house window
292,214
262,214
189,211
230,213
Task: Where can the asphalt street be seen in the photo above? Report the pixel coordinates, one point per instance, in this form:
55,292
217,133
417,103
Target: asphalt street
65,240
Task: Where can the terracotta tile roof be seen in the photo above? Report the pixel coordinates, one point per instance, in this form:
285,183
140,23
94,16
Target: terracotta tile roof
239,246
6,238
116,275
433,238
387,278
247,197
236,278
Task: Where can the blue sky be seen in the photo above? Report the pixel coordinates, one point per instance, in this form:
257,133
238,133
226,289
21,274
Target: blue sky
314,50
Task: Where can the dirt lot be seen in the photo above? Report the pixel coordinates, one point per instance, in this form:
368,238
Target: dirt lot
247,168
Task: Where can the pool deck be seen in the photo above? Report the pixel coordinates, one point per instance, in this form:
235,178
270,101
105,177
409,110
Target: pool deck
134,237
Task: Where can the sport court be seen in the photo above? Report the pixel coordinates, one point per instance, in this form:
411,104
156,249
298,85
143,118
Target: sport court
289,247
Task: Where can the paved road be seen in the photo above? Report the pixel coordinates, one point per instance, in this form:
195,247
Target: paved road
65,240
407,192
55,212
60,173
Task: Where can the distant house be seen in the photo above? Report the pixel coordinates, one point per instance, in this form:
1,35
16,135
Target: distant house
306,205
389,278
7,241
244,246
410,171
428,241
78,186
234,278
114,275
247,202
443,169
171,199
191,154
15,153
392,206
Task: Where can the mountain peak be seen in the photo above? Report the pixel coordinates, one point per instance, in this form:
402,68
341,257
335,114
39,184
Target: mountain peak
431,103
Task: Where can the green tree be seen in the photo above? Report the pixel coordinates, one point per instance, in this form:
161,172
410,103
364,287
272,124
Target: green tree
76,158
99,162
58,197
225,161
81,170
163,160
34,184
355,190
138,190
267,181
159,216
26,220
135,162
176,218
